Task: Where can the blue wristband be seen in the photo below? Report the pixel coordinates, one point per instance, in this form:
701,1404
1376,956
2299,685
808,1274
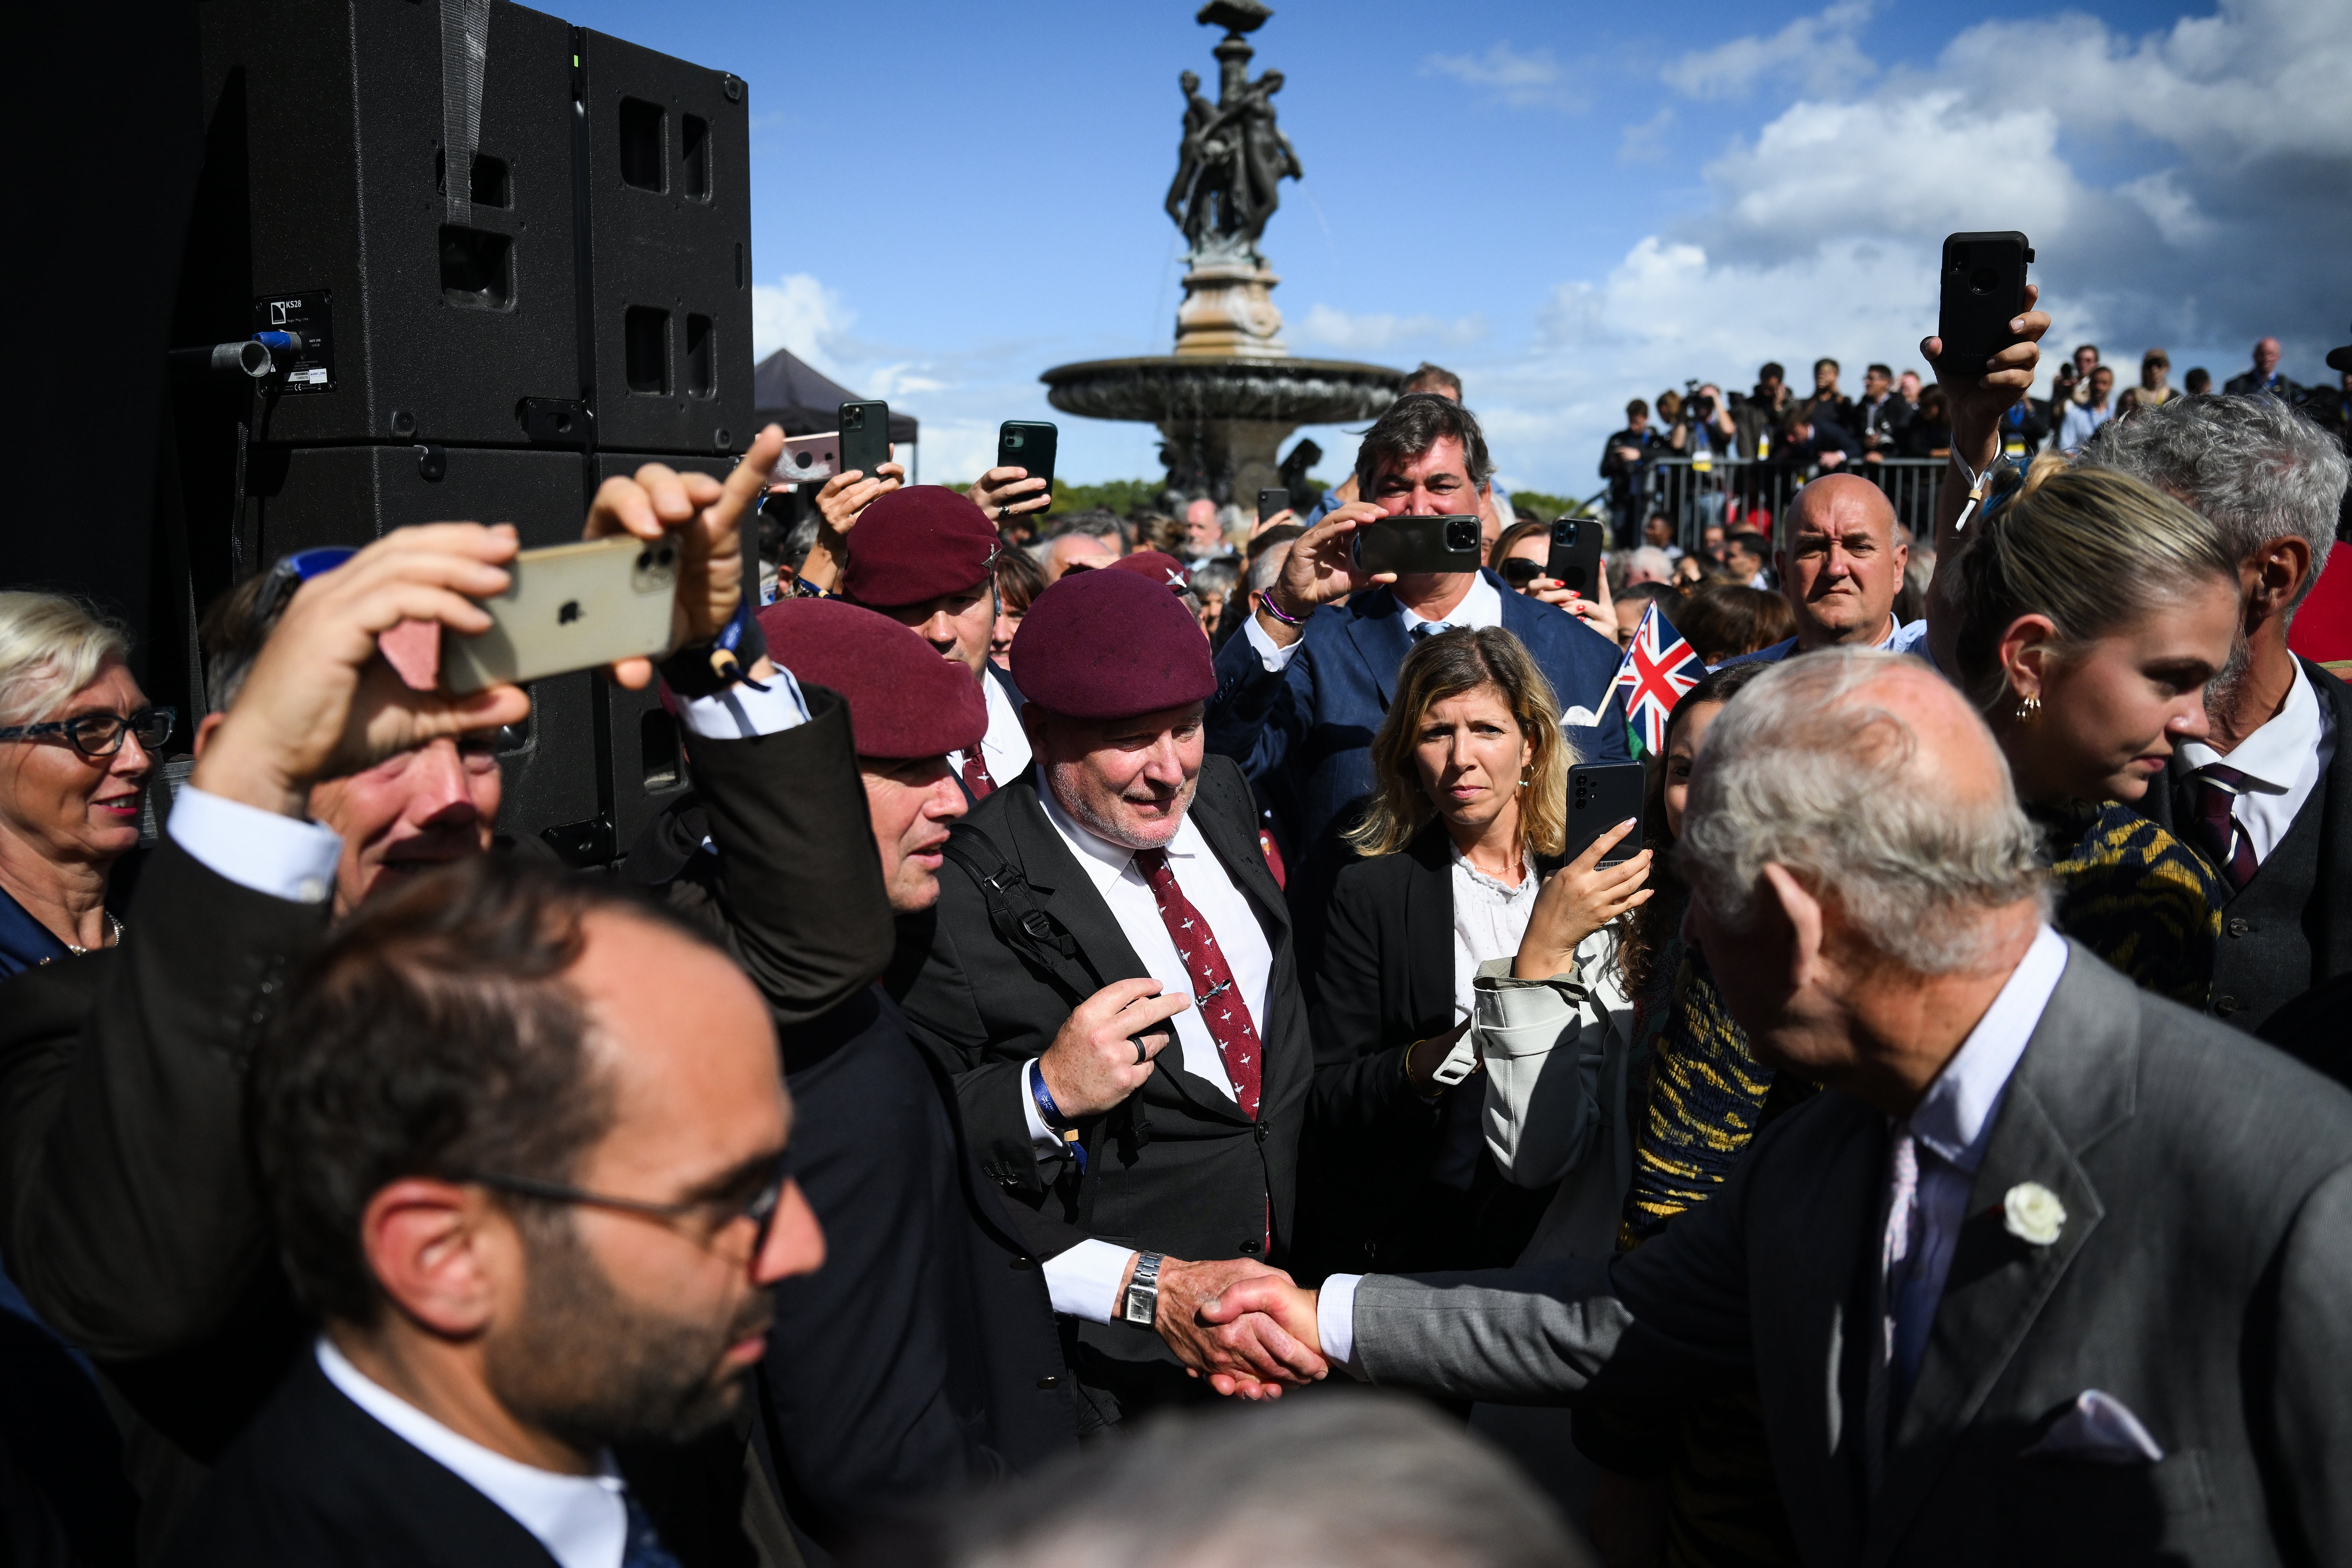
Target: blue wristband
1054,1119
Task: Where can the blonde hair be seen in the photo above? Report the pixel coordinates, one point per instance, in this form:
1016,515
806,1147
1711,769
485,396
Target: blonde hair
51,646
2090,548
1449,665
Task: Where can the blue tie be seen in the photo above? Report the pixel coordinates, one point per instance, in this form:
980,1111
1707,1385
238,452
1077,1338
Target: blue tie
1431,629
644,1549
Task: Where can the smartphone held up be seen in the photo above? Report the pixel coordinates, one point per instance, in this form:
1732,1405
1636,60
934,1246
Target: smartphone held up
566,607
1983,292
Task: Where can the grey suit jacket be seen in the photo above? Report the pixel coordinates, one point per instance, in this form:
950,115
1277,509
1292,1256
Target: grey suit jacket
2204,1278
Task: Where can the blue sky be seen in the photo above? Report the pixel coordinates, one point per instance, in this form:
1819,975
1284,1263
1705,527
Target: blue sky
1569,206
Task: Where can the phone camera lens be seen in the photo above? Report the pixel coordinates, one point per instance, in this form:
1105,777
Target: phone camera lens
1980,281
804,459
1012,443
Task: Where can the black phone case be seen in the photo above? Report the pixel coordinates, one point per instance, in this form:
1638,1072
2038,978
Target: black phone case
864,436
1028,444
1575,559
1984,290
1600,796
1402,544
1270,502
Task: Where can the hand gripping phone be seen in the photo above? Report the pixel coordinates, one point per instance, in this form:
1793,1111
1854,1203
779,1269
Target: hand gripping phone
1575,559
1984,290
1600,796
1029,444
864,432
568,606
1402,544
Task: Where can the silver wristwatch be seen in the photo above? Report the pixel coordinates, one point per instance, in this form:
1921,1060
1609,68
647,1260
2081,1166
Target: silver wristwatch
1141,1304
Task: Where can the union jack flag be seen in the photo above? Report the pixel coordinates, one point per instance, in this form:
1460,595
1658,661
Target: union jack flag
1659,667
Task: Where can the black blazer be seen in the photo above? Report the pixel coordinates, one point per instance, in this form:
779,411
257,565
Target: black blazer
1383,979
1178,1169
315,1480
2290,929
131,1215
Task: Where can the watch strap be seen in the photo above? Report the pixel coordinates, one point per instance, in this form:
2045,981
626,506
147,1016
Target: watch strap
1140,1305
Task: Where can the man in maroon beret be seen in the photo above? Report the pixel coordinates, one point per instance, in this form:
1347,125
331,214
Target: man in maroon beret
923,556
1110,978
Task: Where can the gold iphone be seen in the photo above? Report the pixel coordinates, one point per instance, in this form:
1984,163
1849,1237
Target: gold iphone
569,607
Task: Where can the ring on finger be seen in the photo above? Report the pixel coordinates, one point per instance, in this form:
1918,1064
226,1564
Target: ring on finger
1142,1055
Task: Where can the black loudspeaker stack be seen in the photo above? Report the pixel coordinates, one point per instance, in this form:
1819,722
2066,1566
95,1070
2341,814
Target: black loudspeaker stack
496,259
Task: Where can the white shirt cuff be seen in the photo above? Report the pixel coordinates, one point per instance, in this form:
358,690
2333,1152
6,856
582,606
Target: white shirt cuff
739,712
283,857
1335,1321
1044,1139
1084,1282
1274,658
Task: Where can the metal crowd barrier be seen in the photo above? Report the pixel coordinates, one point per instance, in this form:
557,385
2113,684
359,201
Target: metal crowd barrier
1755,492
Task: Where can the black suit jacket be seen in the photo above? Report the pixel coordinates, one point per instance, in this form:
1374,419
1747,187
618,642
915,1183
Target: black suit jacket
134,1220
1383,972
2274,948
1176,1169
315,1480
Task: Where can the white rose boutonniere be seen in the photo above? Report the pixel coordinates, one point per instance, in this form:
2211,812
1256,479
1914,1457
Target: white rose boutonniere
2031,1212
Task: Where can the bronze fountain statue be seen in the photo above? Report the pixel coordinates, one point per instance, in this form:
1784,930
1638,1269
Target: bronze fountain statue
1230,394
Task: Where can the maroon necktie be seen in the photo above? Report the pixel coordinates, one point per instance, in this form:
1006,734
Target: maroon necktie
2224,842
1222,1010
975,775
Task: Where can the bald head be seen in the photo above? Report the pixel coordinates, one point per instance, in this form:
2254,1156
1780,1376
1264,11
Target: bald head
1869,779
1841,564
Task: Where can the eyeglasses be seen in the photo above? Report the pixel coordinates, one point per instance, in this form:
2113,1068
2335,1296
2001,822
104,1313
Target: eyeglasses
96,735
1518,570
760,1208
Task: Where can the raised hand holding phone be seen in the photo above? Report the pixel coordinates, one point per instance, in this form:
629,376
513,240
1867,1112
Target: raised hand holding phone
704,516
1321,567
320,704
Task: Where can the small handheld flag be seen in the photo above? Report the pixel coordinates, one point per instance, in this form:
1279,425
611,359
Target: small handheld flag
1658,668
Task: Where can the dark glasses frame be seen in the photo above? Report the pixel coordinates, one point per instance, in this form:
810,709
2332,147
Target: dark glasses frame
760,1208
159,720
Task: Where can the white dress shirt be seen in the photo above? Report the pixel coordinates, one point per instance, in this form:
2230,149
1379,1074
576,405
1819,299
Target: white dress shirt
1951,1127
1005,747
295,859
580,1520
1084,1279
1481,606
1489,919
2282,762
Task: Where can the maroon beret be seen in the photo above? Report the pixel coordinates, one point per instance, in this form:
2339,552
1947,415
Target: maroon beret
905,701
1110,645
915,545
1152,566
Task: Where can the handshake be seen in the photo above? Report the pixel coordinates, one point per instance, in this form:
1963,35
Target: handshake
1246,1327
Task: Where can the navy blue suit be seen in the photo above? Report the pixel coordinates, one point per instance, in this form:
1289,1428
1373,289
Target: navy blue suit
1312,725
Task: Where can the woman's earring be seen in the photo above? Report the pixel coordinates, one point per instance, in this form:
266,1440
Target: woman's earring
2029,708
1526,780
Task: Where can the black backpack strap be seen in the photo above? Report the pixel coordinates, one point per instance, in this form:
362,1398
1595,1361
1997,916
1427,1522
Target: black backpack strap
1012,911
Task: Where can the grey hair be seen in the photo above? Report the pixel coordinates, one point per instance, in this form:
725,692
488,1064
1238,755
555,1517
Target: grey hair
1802,770
2253,467
1219,576
1350,1480
51,646
1266,570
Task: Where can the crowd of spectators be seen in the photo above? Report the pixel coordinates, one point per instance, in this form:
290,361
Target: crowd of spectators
1107,965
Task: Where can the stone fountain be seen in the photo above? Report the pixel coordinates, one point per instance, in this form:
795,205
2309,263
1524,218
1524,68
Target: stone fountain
1230,394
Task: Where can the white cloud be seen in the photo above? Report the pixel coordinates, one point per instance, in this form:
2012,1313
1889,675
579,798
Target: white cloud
1374,333
1821,53
1647,142
799,313
2182,187
1513,80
